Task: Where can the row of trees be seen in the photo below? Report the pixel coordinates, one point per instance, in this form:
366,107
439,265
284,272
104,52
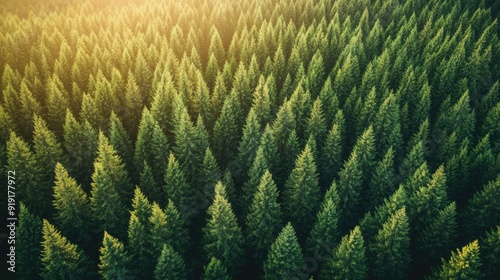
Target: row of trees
273,138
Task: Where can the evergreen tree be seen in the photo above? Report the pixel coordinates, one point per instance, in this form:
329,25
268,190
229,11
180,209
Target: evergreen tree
114,260
331,157
215,270
348,260
29,236
151,147
482,211
170,265
248,145
387,126
148,184
111,188
176,188
392,248
255,173
80,142
177,229
463,264
382,182
285,259
302,193
119,139
60,258
56,103
72,206
325,231
316,124
222,236
349,187
139,248
490,252
210,175
264,217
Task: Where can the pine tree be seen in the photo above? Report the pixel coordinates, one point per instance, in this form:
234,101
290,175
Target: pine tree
176,186
133,105
29,107
302,193
483,209
22,160
170,265
248,145
316,124
382,182
210,175
151,147
255,173
148,184
72,206
490,252
331,157
177,229
325,232
264,217
261,103
348,260
111,188
56,103
139,247
387,126
463,264
285,259
349,187
438,237
80,142
114,260
392,248
215,270
29,236
119,139
222,236
60,258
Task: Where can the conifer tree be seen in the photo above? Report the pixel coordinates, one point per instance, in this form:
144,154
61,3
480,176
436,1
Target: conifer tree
348,260
170,265
387,126
302,192
392,247
60,258
482,211
133,105
215,270
222,236
139,247
21,159
382,182
80,142
119,139
490,252
264,217
148,184
111,188
316,124
366,153
463,264
72,206
177,229
151,146
113,260
331,157
349,187
285,259
29,236
210,175
248,145
29,107
261,103
176,187
56,103
325,231
255,173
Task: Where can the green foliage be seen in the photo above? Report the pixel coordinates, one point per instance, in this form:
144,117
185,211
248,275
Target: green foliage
285,259
215,270
170,265
114,261
490,252
463,264
348,260
176,188
60,258
29,234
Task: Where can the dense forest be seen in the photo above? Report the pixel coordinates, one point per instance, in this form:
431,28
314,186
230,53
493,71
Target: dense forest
251,139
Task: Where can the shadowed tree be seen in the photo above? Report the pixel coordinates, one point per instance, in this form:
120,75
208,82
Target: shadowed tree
113,260
170,265
29,236
215,270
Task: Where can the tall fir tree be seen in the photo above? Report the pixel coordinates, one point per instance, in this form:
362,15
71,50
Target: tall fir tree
72,205
302,193
60,258
285,259
248,145
170,265
222,236
348,260
113,260
120,140
382,182
29,236
176,187
215,270
463,264
263,221
490,252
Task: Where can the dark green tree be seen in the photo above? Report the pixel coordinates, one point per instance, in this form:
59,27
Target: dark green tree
60,258
113,259
302,193
148,184
248,145
463,264
263,221
72,206
392,248
170,265
348,260
285,259
215,270
350,188
222,236
382,183
490,252
176,187
119,139
29,236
